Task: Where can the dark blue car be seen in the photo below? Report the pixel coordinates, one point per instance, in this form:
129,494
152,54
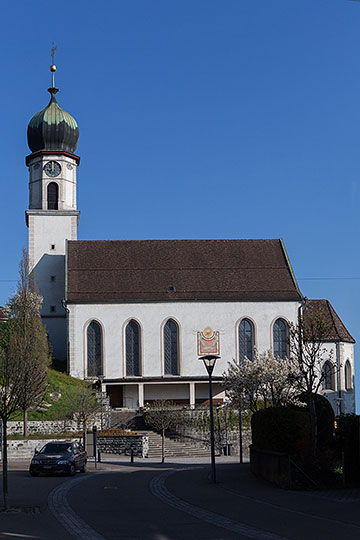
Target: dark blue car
60,458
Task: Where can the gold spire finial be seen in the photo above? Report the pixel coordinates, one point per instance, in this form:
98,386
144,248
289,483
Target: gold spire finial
53,67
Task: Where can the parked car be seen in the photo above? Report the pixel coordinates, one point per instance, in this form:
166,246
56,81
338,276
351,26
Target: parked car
59,457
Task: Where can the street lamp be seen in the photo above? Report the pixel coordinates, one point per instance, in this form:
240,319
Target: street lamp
209,362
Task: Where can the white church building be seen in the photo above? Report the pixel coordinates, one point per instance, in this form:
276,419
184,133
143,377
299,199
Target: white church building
130,313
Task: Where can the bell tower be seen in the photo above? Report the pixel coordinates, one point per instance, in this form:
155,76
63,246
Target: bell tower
52,217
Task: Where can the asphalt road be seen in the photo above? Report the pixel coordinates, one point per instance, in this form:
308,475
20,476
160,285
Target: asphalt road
150,501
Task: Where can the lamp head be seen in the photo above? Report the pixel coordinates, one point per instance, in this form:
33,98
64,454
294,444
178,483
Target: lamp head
209,361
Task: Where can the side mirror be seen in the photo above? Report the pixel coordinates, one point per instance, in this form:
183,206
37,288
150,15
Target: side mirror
36,451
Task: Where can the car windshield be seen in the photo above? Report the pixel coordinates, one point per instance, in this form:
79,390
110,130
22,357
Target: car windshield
54,448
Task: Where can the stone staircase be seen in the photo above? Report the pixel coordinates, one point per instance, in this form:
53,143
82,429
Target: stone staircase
172,448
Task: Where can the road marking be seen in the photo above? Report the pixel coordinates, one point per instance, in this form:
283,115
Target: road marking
62,511
158,488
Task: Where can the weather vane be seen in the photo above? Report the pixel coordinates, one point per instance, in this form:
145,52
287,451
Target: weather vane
53,67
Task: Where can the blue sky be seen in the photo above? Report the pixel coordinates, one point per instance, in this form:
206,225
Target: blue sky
198,119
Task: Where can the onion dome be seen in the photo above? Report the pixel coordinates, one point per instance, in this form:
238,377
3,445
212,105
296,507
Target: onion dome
53,128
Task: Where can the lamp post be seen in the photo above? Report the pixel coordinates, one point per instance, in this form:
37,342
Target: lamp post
209,362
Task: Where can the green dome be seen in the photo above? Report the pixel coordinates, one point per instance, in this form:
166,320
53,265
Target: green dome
53,128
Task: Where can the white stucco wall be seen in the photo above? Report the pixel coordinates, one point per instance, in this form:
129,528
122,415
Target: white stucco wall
48,232
39,181
338,353
191,317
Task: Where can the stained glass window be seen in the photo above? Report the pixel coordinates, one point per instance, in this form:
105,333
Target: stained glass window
94,349
52,196
281,338
246,340
132,340
171,348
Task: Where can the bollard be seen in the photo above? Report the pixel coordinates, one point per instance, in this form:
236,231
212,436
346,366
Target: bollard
99,457
132,455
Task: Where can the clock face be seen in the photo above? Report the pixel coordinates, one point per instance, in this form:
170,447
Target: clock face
52,168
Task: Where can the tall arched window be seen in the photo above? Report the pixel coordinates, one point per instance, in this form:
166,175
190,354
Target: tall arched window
133,350
246,340
348,376
52,196
171,348
328,376
281,338
94,350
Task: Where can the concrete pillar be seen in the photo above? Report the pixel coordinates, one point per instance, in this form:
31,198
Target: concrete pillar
141,394
192,395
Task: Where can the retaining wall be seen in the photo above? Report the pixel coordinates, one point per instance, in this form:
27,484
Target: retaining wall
274,467
25,448
122,445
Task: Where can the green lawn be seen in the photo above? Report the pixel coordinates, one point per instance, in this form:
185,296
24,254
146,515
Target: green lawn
55,409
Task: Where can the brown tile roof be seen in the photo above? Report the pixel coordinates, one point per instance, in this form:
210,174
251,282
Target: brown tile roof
161,270
336,330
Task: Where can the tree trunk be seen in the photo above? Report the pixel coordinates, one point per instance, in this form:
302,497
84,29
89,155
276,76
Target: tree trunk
25,423
313,423
5,466
162,445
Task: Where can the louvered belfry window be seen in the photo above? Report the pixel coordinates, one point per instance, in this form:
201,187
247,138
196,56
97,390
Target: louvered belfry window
171,348
246,340
132,338
52,196
281,339
94,350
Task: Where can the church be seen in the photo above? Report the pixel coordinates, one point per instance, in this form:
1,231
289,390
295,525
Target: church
137,315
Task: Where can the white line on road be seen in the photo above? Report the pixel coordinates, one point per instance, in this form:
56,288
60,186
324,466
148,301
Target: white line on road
158,488
61,509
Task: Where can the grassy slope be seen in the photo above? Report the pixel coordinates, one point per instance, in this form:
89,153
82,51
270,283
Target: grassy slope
58,382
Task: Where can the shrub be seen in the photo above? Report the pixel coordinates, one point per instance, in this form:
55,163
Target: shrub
282,429
325,419
347,438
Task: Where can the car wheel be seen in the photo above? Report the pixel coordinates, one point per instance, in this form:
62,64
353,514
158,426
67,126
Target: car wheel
32,473
72,470
84,468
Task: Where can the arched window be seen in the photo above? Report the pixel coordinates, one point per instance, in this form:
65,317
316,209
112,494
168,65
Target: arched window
171,348
94,350
52,196
328,376
246,340
348,377
132,344
281,338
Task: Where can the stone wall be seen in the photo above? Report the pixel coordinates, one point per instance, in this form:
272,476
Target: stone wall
122,445
188,432
271,466
25,448
42,427
50,426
